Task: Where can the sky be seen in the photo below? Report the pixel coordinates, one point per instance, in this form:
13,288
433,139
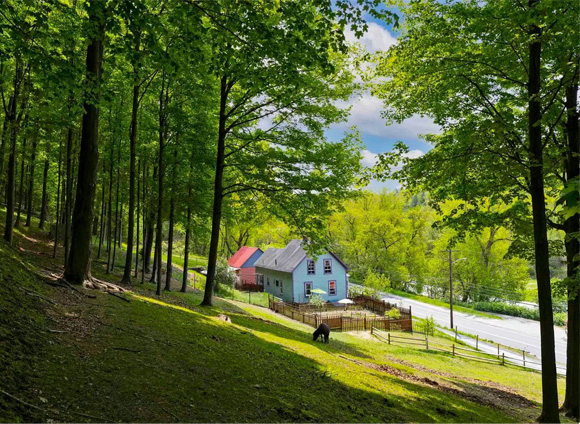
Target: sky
366,113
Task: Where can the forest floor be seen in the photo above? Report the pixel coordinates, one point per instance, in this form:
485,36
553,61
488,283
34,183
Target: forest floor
68,355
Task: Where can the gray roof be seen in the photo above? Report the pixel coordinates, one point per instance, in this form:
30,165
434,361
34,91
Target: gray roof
286,259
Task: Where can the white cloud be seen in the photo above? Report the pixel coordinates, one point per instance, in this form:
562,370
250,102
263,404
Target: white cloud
365,113
414,154
369,159
375,39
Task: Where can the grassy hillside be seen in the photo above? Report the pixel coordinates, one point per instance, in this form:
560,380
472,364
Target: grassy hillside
71,357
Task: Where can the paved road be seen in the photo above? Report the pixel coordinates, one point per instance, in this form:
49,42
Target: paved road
517,333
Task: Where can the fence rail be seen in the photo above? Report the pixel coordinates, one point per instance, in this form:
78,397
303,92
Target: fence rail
340,322
380,306
455,350
249,287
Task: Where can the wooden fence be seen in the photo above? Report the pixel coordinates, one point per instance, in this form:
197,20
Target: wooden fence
249,287
339,322
460,351
380,306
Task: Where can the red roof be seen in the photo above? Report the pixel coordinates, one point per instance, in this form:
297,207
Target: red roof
241,256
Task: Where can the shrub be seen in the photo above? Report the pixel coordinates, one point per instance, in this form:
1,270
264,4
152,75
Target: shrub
393,313
316,300
225,278
354,291
561,318
427,326
516,311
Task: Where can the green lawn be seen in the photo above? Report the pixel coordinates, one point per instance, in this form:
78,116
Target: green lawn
161,359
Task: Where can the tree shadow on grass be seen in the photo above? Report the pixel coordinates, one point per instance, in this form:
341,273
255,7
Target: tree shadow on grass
279,330
191,367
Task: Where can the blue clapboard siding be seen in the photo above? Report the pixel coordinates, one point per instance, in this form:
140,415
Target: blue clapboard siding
320,280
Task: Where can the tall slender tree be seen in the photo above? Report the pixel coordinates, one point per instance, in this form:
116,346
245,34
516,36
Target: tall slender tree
77,268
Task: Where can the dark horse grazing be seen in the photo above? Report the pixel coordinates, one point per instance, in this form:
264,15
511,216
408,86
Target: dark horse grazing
322,330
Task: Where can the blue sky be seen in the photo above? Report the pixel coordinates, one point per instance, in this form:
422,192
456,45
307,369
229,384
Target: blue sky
366,113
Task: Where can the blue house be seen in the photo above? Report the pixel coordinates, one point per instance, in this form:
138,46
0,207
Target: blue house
291,275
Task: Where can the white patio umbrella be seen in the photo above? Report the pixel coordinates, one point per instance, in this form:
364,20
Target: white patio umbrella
345,302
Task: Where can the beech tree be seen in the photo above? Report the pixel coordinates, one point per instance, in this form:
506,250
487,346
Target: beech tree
494,89
77,268
279,71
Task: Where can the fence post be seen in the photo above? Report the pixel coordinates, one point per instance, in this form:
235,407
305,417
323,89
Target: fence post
389,334
365,323
426,343
477,342
453,349
503,358
498,351
524,356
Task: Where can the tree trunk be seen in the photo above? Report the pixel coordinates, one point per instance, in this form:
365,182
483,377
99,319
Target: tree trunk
110,208
217,197
571,406
12,156
186,248
117,224
133,153
5,134
31,183
68,193
120,239
151,219
137,220
153,278
21,185
542,256
162,128
102,218
171,221
146,236
58,208
78,266
170,246
44,204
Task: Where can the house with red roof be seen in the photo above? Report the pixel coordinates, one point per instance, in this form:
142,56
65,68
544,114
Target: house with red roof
243,264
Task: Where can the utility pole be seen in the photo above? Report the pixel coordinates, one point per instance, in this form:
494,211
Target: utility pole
451,287
450,252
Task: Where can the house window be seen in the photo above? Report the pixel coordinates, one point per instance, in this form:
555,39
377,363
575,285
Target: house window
308,289
332,288
311,267
328,266
267,281
281,288
277,283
